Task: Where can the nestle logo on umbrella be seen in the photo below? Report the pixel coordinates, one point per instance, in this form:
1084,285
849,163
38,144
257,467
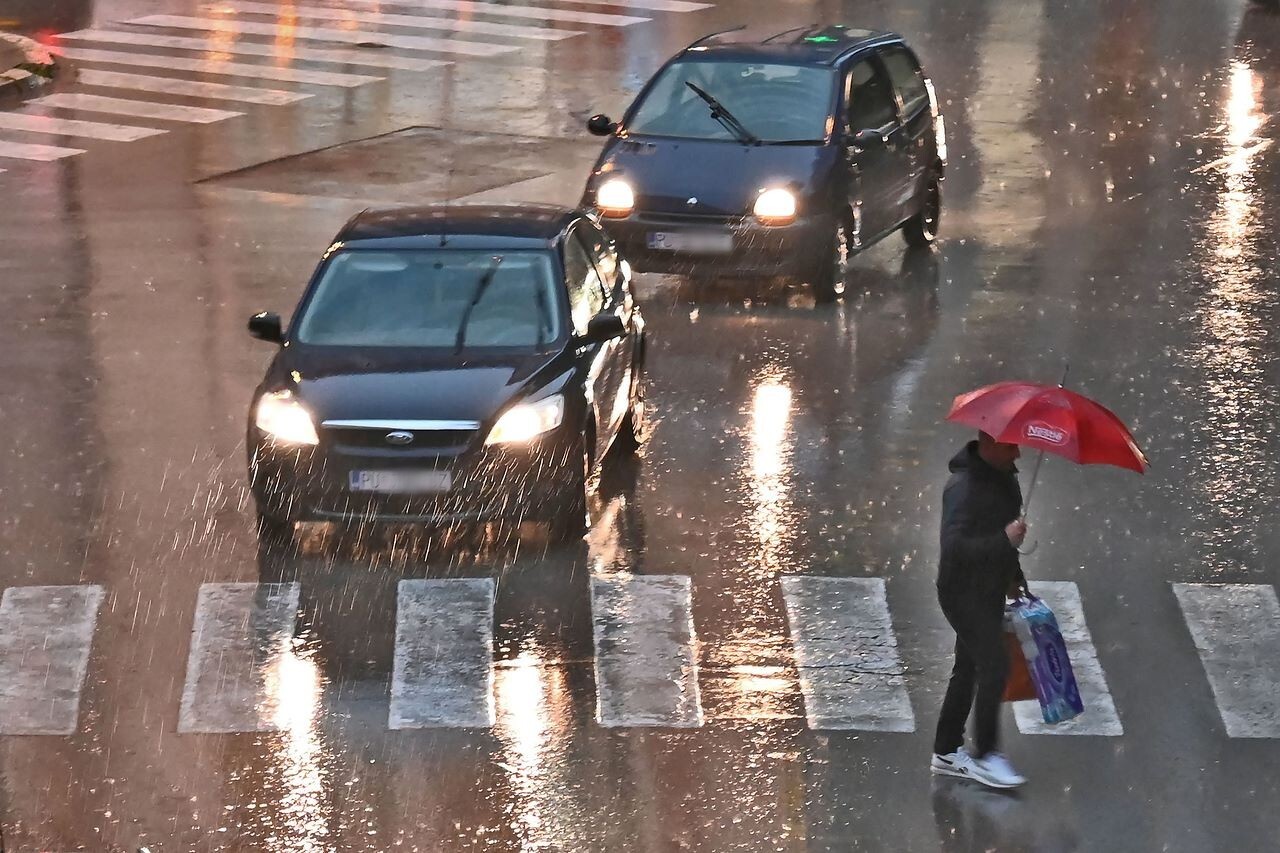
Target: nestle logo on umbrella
1046,433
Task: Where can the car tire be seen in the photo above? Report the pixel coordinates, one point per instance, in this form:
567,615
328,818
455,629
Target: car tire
274,533
922,229
829,278
570,522
635,424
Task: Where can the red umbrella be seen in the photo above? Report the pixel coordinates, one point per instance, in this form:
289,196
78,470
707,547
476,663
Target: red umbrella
1051,419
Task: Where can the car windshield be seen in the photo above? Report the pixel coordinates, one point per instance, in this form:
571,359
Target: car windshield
774,103
433,298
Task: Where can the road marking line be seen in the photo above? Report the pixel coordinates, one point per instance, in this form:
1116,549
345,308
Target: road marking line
188,88
847,654
650,5
1099,717
74,127
46,633
443,670
41,153
418,22
326,34
224,69
1236,629
243,633
335,56
646,663
136,109
533,13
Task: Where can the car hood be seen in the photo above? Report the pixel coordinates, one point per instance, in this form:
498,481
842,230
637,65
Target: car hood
410,386
723,177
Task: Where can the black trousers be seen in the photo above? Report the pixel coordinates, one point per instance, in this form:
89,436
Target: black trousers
979,673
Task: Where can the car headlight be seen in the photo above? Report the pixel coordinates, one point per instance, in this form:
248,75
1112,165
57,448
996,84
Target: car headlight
524,422
615,198
775,207
284,419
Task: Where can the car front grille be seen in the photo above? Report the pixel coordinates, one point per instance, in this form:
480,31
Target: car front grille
423,439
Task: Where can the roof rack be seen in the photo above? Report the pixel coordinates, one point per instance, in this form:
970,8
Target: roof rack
788,32
709,36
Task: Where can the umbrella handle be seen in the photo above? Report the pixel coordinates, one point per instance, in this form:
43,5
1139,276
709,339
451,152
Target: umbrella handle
1031,550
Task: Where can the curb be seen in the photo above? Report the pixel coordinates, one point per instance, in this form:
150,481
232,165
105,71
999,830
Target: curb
37,67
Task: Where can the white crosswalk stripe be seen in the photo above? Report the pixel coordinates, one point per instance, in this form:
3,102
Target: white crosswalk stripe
847,654
465,26
645,662
46,633
217,68
328,34
240,643
1099,717
136,109
526,12
188,88
74,127
335,56
39,153
443,671
1236,629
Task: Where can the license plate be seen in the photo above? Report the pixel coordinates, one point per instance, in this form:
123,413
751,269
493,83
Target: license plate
706,243
400,482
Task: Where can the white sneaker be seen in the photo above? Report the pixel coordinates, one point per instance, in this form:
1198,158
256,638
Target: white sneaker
995,771
957,763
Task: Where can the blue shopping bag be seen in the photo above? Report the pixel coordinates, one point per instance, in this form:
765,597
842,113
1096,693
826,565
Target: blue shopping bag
1046,653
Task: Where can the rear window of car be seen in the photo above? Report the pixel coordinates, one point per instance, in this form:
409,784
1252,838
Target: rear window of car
907,79
775,102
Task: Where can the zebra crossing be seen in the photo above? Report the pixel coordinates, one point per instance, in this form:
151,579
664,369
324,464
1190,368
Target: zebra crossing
852,675
120,98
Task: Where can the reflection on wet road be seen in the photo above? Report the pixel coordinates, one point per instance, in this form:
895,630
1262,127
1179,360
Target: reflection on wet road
745,652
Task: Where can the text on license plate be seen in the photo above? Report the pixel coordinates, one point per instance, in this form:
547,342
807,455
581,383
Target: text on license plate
400,482
709,242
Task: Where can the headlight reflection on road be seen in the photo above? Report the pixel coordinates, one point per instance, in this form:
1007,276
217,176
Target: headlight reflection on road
302,803
771,445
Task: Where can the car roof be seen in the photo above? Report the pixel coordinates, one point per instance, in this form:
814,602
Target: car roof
809,45
459,226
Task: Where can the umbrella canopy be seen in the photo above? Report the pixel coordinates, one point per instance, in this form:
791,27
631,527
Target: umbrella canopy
1052,419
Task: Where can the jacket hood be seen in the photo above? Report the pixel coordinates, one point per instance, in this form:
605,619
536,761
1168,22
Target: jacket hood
970,460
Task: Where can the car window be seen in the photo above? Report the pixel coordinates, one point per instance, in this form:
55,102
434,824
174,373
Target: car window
774,102
871,103
450,299
586,298
602,252
907,79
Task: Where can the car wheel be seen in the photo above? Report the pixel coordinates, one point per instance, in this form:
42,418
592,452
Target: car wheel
922,229
635,424
274,533
571,520
829,279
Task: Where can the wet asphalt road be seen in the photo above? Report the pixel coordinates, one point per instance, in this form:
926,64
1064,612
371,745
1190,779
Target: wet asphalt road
1110,203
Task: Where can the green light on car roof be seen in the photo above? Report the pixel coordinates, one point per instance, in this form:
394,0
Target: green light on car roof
821,39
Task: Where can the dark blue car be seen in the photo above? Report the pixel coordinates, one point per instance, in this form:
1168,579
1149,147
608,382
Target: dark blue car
779,157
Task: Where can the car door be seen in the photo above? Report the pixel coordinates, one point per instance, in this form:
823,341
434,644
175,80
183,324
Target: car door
916,135
586,299
880,169
618,354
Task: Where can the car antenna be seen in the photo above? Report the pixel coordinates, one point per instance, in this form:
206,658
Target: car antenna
785,32
709,36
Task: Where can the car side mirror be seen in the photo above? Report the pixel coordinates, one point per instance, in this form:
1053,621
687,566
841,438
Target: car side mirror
867,138
266,327
601,125
603,327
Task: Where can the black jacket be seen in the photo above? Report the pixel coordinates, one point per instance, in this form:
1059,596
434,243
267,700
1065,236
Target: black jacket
977,504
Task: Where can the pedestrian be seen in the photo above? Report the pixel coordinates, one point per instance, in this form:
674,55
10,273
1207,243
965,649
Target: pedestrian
981,532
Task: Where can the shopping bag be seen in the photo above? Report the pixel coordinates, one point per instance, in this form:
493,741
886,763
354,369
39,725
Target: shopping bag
1046,656
1018,686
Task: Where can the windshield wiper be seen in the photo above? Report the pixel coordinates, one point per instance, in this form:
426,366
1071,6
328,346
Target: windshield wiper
727,120
481,286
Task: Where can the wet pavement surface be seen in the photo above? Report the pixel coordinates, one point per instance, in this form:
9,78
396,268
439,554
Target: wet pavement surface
1109,203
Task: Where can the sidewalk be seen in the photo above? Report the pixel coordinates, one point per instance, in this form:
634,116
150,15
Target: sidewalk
25,66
